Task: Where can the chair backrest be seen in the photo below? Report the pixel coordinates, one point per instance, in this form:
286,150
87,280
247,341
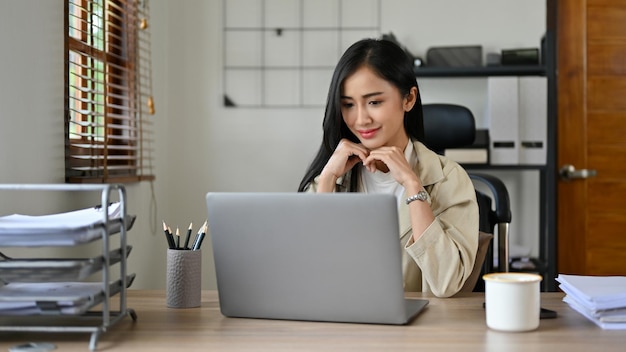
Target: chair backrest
447,126
452,126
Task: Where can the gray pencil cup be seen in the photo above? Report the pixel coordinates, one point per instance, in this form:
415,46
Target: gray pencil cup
184,278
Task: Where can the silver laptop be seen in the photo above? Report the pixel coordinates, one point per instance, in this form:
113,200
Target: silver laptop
316,257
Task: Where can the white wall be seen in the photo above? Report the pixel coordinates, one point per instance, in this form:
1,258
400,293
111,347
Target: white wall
31,91
31,102
202,146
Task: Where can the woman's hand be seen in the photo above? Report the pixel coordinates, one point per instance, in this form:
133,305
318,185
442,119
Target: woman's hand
346,155
394,160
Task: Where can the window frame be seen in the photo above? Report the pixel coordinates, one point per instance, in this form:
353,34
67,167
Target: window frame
107,132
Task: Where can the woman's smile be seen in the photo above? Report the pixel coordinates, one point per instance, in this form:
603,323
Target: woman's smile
368,134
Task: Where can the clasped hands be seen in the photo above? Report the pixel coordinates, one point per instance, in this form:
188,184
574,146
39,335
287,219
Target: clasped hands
385,158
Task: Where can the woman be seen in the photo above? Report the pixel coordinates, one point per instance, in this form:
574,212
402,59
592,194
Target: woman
372,132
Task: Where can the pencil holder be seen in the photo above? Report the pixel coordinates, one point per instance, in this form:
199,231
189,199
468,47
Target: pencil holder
184,278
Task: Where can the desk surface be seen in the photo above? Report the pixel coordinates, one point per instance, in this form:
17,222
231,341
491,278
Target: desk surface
447,324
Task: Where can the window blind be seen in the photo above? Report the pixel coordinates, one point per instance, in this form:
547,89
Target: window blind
109,105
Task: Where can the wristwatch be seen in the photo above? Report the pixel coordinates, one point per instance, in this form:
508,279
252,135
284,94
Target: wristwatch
421,196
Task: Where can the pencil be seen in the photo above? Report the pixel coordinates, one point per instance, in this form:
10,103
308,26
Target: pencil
195,241
198,243
168,236
202,235
177,239
188,235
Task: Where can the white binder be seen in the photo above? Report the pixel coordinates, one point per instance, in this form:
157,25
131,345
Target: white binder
533,112
502,115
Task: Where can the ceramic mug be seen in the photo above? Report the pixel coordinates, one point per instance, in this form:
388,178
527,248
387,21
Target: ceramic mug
512,301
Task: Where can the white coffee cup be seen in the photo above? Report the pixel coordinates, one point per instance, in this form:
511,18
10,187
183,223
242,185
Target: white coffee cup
512,301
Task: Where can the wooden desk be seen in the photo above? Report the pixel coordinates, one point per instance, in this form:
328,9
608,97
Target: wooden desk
455,324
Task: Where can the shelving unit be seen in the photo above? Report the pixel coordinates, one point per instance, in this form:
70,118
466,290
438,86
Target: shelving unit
74,305
486,71
547,172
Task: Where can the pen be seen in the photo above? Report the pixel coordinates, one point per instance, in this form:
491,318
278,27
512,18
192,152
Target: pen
168,236
188,235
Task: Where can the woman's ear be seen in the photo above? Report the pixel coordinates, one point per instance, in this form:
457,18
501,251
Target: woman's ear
409,99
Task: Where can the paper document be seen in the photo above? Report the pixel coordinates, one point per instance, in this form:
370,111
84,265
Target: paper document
55,297
602,299
18,223
55,269
69,228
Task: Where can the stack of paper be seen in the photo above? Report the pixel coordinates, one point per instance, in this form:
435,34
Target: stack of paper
602,299
65,298
70,228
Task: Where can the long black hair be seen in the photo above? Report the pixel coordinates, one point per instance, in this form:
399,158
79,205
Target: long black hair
392,64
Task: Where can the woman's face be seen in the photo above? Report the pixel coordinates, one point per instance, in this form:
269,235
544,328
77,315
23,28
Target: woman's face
373,109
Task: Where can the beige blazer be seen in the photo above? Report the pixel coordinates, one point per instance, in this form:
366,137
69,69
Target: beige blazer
443,257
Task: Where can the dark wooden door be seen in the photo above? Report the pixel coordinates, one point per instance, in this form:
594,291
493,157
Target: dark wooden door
591,93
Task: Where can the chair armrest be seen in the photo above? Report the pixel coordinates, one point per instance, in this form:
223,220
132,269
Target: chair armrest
500,195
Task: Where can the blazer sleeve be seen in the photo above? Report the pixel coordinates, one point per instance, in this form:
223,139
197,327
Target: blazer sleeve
446,251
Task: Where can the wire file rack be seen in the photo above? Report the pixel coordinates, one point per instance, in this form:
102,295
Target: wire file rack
51,294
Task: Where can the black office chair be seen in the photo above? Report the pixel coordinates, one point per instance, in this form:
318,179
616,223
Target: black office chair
453,126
